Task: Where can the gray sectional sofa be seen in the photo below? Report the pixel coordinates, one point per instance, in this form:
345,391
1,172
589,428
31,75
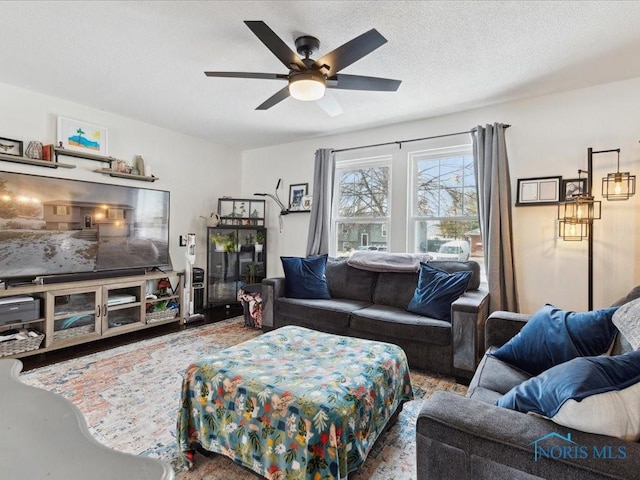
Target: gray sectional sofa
471,438
372,305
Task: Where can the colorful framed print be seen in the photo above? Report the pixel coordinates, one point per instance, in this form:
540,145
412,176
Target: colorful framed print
11,147
296,192
538,191
82,136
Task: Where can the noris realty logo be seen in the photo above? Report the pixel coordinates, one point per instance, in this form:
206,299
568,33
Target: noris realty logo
568,449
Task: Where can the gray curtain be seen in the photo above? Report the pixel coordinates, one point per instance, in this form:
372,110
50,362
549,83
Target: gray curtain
494,204
320,222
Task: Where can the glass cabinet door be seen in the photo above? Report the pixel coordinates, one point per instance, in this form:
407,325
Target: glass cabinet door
123,306
235,257
76,316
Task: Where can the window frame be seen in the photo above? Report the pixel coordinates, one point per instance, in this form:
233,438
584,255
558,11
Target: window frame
412,191
354,164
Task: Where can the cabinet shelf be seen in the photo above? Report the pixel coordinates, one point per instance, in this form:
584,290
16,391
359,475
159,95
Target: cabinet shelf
30,161
131,176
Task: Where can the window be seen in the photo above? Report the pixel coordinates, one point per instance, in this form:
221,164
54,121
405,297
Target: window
444,205
115,214
62,210
361,206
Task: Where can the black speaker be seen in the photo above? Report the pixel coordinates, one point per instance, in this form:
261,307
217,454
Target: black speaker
198,275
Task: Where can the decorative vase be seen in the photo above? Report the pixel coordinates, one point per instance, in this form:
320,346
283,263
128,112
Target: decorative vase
34,150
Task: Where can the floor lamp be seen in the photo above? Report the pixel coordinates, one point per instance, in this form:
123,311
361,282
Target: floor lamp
576,215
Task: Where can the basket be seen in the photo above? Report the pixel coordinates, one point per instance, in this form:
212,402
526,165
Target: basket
160,315
73,332
14,347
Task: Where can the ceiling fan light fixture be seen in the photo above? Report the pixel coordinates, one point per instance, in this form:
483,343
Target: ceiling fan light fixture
307,86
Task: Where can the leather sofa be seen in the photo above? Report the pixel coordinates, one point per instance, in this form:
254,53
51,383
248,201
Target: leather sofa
471,438
372,305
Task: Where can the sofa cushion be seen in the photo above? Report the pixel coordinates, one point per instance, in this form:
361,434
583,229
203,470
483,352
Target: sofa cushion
395,289
627,319
593,394
496,376
389,322
348,282
330,316
305,277
436,291
553,336
454,266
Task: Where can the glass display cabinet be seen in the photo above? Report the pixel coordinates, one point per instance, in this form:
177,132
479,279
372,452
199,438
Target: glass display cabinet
236,256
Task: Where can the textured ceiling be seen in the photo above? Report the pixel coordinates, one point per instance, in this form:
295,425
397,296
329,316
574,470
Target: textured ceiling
145,60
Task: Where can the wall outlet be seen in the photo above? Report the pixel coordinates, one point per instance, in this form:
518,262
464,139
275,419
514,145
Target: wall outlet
183,240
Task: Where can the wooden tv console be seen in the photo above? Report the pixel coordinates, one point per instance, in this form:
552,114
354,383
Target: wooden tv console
82,311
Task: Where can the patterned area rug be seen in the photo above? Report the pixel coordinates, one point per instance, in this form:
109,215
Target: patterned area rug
130,395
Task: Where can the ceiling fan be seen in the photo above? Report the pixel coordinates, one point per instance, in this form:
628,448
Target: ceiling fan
307,78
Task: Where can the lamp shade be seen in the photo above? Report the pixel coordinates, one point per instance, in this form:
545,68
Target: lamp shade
580,209
569,231
307,86
618,186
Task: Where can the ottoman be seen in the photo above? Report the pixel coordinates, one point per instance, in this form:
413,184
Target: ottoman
293,402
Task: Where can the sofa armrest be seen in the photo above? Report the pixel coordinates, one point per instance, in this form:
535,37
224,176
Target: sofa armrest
272,288
502,326
468,314
463,438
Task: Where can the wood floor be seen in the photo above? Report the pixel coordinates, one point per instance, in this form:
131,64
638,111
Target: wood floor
210,316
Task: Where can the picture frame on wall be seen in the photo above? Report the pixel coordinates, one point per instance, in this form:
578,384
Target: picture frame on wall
82,136
12,147
307,201
296,192
572,187
538,191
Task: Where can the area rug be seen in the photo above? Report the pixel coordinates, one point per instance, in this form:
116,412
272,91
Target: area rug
130,395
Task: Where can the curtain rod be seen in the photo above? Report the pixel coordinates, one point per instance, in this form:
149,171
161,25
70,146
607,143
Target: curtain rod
400,142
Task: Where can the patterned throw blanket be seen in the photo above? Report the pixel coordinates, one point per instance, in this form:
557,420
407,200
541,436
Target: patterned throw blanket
293,403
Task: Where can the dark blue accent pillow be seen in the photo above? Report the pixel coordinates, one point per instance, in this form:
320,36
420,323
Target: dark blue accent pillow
553,336
576,379
304,277
436,291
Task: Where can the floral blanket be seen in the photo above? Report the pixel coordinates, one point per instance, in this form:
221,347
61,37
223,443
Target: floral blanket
293,403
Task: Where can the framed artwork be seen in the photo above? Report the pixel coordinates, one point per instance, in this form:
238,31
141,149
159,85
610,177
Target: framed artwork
82,136
307,201
11,147
296,192
538,191
572,187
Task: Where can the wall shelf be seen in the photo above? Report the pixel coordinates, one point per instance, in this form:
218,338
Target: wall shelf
131,176
87,156
31,161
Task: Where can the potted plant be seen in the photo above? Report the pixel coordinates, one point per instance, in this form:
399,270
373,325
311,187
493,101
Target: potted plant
259,241
219,241
230,245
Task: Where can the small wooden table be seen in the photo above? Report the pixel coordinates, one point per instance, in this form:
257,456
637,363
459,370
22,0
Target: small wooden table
43,435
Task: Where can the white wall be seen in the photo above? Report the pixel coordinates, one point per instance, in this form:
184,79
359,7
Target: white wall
549,136
196,172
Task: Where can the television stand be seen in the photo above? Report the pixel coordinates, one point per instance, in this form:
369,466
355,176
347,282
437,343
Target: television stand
84,310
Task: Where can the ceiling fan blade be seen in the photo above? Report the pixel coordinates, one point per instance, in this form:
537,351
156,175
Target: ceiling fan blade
262,76
351,52
329,103
274,99
360,82
274,43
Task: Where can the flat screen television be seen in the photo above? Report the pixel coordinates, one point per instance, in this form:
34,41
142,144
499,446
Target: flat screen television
53,226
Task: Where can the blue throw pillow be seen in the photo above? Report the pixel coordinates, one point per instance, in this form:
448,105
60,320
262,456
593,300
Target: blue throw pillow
436,291
592,394
553,336
304,277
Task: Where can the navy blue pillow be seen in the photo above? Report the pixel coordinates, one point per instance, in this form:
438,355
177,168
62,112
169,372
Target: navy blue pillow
553,336
304,277
576,379
436,291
